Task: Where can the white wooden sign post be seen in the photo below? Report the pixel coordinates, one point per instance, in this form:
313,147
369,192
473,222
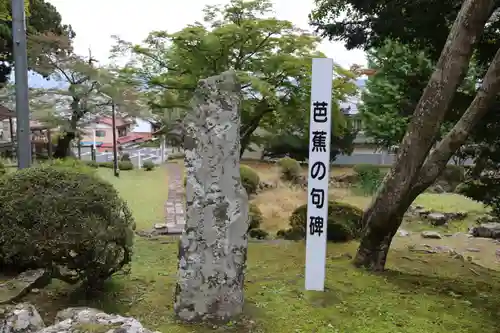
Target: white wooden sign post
318,176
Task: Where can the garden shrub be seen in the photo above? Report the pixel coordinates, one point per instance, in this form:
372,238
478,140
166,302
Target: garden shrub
486,189
344,223
255,217
3,169
92,164
249,179
369,177
108,165
290,169
450,178
125,165
125,157
71,163
258,233
148,165
64,220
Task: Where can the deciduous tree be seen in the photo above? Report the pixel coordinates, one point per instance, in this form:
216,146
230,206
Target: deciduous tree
417,166
89,92
272,58
42,18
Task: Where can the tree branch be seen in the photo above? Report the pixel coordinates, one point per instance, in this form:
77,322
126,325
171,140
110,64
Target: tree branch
448,146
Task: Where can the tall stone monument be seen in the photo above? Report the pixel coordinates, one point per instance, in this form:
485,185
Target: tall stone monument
213,246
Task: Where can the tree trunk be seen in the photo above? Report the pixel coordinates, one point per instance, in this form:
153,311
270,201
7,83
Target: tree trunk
247,131
63,148
407,177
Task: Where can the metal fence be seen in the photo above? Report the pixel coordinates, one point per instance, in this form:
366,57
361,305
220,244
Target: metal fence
137,155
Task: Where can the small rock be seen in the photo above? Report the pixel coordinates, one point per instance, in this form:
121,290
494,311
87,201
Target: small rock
431,234
456,215
159,226
487,230
73,320
403,233
20,318
471,249
444,249
437,219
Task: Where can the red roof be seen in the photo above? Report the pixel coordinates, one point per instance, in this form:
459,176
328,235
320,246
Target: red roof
131,137
119,122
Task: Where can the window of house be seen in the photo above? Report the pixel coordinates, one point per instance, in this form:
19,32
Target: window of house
100,133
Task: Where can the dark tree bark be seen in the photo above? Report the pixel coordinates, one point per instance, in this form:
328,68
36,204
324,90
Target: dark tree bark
409,175
247,131
63,148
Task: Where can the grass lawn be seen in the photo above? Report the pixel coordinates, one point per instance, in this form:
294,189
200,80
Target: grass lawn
144,191
418,294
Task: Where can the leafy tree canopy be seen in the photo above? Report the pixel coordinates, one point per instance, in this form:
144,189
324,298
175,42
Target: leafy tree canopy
41,18
423,24
272,58
90,90
392,93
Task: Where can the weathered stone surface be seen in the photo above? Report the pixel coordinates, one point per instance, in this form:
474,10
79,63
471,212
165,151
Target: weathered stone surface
403,233
487,230
20,318
213,247
73,320
437,218
24,318
19,286
431,234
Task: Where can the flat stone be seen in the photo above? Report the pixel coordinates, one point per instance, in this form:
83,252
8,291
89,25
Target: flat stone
431,234
212,254
487,230
159,226
403,233
437,219
177,229
471,249
21,285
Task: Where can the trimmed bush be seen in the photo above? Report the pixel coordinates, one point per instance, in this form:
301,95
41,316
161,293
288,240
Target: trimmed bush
3,170
255,217
450,178
92,164
71,163
67,221
125,165
148,165
249,179
108,165
125,157
344,223
369,177
290,169
258,233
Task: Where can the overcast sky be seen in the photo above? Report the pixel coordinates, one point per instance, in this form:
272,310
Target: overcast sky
94,21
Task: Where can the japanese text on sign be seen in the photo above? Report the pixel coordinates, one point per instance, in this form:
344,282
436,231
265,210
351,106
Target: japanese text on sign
319,164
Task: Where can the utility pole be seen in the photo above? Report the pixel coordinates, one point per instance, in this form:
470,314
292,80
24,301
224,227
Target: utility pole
21,76
115,154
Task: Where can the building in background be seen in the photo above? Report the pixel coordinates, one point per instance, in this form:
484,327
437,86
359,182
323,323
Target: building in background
129,132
